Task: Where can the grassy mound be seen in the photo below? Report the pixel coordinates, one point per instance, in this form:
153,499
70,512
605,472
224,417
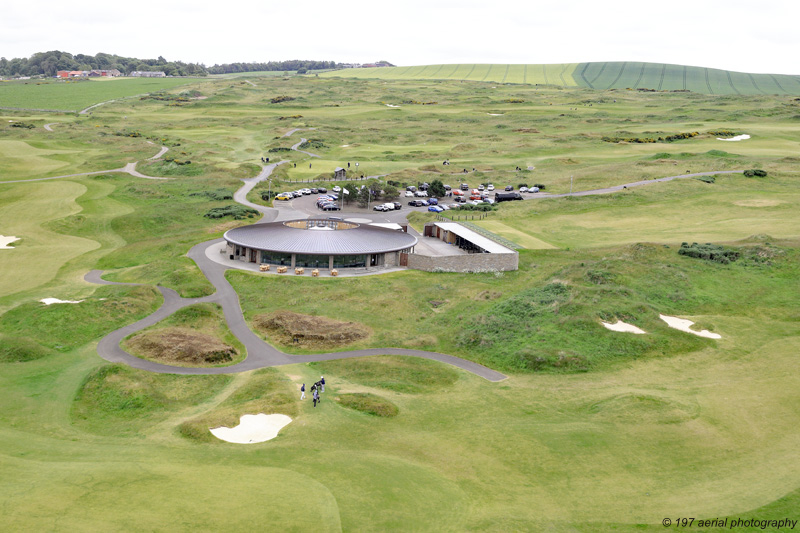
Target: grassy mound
183,346
193,336
265,391
65,326
287,326
21,349
116,399
641,408
369,404
409,375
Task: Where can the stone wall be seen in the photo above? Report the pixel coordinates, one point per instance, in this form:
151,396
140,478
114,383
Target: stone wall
464,263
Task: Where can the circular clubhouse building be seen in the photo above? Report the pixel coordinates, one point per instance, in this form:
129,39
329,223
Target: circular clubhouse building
319,244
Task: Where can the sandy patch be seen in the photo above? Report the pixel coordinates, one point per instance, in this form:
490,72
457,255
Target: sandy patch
623,327
48,301
5,241
345,145
737,138
495,114
390,105
252,429
756,202
684,325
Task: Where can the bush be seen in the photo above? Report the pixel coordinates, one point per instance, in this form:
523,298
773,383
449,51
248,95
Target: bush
219,194
709,252
279,149
521,185
755,173
238,212
539,185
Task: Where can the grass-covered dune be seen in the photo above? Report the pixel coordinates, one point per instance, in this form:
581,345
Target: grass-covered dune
596,75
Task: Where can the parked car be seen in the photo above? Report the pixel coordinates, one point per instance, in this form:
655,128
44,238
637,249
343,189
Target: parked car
476,202
305,191
481,187
337,189
458,193
284,196
416,203
330,207
424,202
533,189
433,201
389,206
397,205
523,189
444,207
421,193
409,193
453,206
314,190
379,207
490,187
460,199
447,187
411,188
464,187
435,209
509,188
475,196
322,189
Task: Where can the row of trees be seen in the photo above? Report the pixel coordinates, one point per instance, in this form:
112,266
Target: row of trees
280,66
48,63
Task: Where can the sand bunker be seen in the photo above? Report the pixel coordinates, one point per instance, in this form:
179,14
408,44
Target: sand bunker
390,105
737,138
623,327
252,429
48,301
495,114
5,241
683,325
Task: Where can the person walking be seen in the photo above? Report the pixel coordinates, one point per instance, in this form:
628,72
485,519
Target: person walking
322,382
316,397
303,391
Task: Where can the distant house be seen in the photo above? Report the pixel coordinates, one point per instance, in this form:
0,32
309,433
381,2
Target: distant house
106,73
339,173
148,74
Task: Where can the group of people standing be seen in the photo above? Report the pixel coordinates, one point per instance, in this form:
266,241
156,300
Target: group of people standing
315,390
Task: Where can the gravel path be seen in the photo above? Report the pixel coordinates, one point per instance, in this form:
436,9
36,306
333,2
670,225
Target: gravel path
296,148
47,126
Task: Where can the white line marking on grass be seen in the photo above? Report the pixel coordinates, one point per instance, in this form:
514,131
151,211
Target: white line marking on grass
684,325
252,429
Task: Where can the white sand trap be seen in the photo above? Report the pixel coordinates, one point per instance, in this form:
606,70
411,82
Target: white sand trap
48,301
737,138
345,145
5,241
252,429
390,105
623,327
495,114
684,325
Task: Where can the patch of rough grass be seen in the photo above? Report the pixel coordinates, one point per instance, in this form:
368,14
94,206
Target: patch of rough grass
265,391
21,350
286,326
118,400
369,404
410,375
63,327
193,336
181,346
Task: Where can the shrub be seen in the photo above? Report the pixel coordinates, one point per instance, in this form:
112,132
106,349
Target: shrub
709,252
539,185
279,149
238,212
279,99
218,194
756,172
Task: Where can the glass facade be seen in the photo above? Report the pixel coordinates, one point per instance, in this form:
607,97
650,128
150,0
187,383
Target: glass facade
276,258
311,261
349,261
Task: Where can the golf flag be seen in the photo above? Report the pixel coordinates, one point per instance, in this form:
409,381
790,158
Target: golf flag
345,191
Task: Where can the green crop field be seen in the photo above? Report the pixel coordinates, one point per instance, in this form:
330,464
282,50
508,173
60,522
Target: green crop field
594,430
601,76
72,96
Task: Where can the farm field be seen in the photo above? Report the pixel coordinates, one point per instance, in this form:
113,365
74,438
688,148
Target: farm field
72,96
598,75
594,430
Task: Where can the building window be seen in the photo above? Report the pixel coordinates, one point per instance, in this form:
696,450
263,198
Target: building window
349,261
311,261
276,258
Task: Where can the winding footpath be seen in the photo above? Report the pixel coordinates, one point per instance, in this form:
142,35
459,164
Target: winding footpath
259,353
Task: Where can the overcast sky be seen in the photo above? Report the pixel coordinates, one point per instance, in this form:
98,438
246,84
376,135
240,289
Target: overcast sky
749,36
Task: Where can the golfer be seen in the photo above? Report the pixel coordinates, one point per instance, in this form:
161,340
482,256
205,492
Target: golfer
303,391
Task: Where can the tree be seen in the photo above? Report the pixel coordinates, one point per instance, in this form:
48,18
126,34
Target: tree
390,192
436,189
